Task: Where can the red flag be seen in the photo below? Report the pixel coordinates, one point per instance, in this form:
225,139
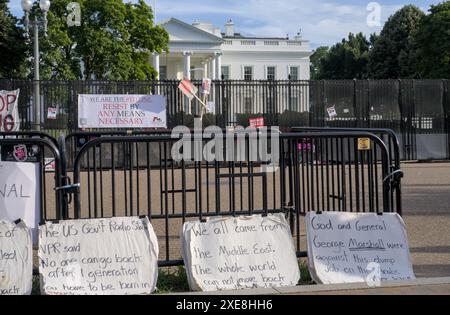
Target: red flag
188,89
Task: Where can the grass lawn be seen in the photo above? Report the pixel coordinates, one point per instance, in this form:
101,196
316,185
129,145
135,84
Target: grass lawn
174,279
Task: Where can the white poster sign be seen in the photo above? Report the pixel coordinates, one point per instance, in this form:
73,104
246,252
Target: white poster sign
332,112
238,253
122,111
16,259
211,108
19,193
9,111
206,86
357,247
98,256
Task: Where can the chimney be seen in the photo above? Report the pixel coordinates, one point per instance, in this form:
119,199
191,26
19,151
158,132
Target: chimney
299,36
229,28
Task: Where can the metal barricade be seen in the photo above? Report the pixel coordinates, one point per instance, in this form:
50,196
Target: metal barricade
316,171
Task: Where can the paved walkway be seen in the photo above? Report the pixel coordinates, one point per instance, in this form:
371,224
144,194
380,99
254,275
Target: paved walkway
425,286
426,210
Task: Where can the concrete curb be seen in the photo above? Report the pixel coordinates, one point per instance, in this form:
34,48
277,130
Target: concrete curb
321,288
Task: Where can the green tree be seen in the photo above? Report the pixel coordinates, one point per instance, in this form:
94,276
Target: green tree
316,60
12,45
114,41
433,40
346,60
394,52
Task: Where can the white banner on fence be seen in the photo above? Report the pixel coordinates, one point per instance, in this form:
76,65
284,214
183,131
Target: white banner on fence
16,259
238,253
9,111
20,193
357,247
98,256
121,111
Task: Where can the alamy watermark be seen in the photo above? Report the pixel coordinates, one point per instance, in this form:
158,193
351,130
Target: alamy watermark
237,144
374,16
74,14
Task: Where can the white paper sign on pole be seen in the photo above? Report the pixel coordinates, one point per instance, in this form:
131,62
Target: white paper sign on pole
211,108
206,86
16,259
19,193
121,111
348,247
9,111
238,253
98,256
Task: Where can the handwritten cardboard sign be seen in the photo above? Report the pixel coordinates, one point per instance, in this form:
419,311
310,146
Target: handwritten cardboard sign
122,111
19,193
16,259
9,111
98,256
357,247
238,253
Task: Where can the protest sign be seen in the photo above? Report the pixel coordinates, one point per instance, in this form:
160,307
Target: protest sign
98,256
51,114
19,193
122,111
16,258
9,111
332,112
206,86
238,253
188,89
256,122
211,108
348,247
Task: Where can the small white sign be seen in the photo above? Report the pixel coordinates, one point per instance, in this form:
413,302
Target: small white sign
206,86
348,247
16,259
238,253
98,257
211,108
332,112
52,111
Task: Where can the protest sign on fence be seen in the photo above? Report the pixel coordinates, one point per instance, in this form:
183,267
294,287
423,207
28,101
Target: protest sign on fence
348,247
9,111
122,111
257,122
98,256
16,258
19,193
238,253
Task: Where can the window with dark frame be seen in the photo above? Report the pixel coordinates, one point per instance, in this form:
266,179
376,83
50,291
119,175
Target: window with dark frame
226,72
248,73
293,72
271,73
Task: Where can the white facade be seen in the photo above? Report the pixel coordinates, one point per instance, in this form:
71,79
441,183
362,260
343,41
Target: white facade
202,50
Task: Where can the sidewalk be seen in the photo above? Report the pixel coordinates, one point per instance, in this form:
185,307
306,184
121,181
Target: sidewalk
424,286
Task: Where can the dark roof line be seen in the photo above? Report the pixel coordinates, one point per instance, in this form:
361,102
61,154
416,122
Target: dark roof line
239,36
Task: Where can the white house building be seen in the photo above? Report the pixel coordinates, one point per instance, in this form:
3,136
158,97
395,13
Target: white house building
202,50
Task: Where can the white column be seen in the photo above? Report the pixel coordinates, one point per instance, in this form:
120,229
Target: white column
187,64
213,68
205,68
156,64
219,66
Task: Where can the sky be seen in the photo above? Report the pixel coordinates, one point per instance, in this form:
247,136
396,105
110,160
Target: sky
322,22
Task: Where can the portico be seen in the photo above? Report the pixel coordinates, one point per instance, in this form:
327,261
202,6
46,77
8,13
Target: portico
194,53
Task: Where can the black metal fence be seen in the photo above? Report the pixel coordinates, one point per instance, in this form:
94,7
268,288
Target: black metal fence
418,111
136,175
317,171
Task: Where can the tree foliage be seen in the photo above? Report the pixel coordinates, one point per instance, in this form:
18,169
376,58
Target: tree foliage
394,53
345,60
12,45
114,41
316,61
433,38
